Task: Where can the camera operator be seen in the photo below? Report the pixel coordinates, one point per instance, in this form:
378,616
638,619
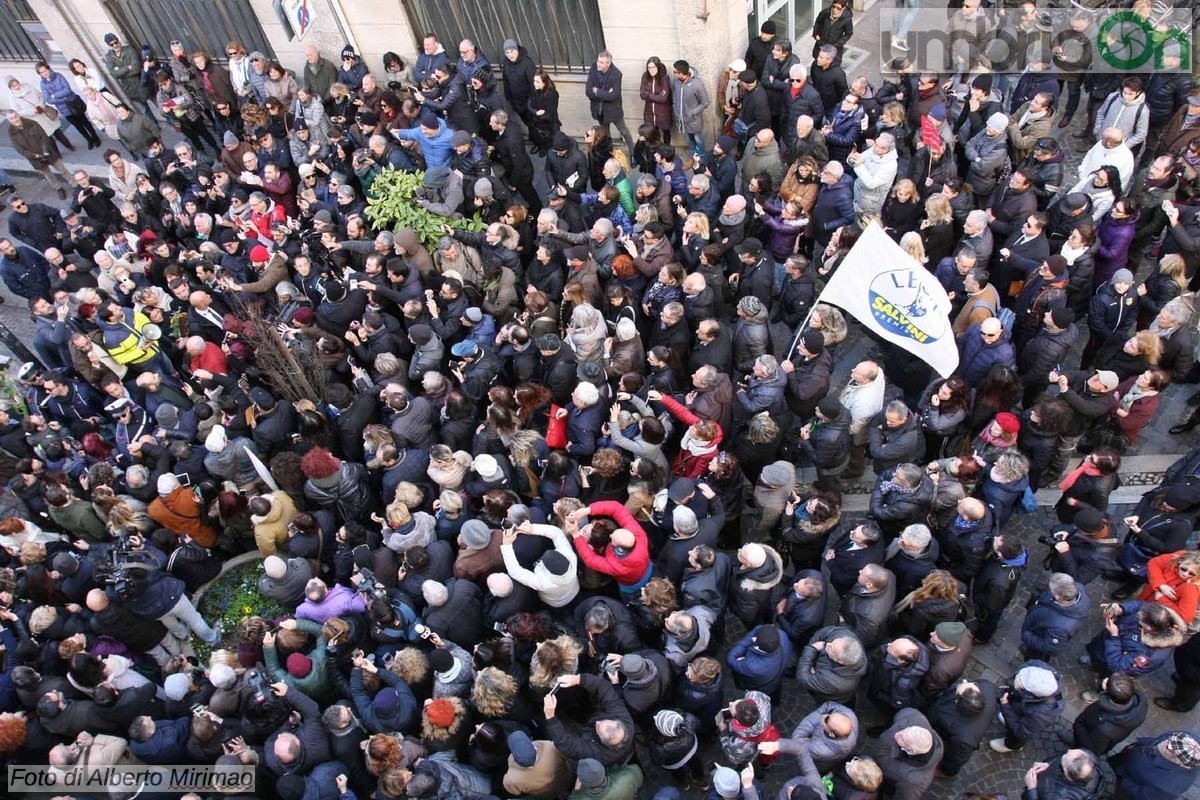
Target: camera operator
159,595
111,617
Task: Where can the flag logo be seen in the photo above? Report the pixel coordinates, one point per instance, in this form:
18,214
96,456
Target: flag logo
901,303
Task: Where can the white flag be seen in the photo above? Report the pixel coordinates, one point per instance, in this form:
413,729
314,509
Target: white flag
885,289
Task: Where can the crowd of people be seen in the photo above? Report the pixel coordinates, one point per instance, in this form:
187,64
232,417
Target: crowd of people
556,508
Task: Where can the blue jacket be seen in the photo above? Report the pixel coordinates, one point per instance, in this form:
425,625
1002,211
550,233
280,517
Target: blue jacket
426,64
58,92
402,719
834,207
40,227
1002,497
1131,652
168,745
1048,626
583,426
27,275
847,131
436,148
321,783
1025,714
1146,774
755,670
801,617
764,394
977,357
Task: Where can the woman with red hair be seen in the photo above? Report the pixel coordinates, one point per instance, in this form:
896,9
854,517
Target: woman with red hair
337,485
700,442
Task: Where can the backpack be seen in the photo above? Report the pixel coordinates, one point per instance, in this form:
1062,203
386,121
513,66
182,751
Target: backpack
1007,317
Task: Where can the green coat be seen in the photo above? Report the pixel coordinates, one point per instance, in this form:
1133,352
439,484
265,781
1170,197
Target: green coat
316,684
623,784
79,519
621,182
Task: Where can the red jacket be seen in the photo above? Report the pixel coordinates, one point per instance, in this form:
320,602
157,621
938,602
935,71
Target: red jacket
1161,571
628,569
212,360
688,464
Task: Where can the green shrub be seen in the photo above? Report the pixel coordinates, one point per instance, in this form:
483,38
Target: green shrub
390,206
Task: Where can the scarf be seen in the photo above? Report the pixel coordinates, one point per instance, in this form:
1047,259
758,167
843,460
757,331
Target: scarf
695,446
734,219
1134,394
892,486
995,441
1085,468
1162,333
1070,253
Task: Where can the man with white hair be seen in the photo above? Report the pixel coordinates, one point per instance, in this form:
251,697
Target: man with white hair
911,557
584,416
835,204
1110,150
801,99
702,198
908,753
874,170
978,234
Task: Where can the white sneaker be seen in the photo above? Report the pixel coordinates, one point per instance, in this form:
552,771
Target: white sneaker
899,44
999,746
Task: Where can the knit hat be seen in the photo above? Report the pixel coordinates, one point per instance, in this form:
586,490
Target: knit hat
110,38
420,334
435,593
483,188
474,533
481,74
440,660
216,441
1089,520
813,341
938,112
831,407
668,722
998,122
1008,422
750,305
1185,748
522,749
166,415
556,563
473,315
176,686
1062,317
634,666
167,484
748,76
230,139
778,473
951,633
590,773
323,215
275,567
561,142
304,315
222,676
1108,379
387,702
737,65
767,639
681,489
734,204
1038,681
1121,276
460,138
464,348
982,82
259,254
299,665
726,782
509,44
347,52
768,27
429,121
728,144
300,124
1056,264
440,713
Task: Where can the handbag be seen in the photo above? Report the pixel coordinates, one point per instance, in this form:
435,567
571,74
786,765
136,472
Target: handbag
556,429
1029,503
76,104
1134,557
51,112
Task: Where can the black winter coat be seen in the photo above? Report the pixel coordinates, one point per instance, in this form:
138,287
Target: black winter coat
518,79
962,734
1104,723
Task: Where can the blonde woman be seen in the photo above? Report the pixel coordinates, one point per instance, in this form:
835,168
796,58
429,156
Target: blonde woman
830,322
28,101
912,244
937,229
1168,281
902,209
1173,580
101,112
693,239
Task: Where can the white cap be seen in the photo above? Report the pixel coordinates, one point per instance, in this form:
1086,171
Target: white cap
167,484
216,440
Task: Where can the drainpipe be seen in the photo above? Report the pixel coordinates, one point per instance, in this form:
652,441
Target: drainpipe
343,24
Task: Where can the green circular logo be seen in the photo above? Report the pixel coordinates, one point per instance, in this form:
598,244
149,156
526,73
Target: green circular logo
1132,41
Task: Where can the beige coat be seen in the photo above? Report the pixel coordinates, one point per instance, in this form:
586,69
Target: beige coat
549,778
27,100
271,530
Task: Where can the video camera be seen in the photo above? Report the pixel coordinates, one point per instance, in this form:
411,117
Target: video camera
260,685
370,584
124,560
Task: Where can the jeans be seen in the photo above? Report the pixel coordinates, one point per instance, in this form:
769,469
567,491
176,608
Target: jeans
184,618
901,22
695,141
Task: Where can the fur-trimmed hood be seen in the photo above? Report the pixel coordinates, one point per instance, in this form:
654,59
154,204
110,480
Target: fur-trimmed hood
819,528
430,733
764,577
1172,637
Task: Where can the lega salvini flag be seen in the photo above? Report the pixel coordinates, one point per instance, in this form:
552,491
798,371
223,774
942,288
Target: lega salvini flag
885,289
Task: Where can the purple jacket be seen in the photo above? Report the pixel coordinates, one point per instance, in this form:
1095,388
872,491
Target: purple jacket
782,241
339,602
1114,237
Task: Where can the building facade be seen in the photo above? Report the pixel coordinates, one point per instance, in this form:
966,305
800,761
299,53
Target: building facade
561,35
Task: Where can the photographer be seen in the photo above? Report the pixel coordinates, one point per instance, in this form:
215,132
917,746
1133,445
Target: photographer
111,617
296,749
393,707
158,595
